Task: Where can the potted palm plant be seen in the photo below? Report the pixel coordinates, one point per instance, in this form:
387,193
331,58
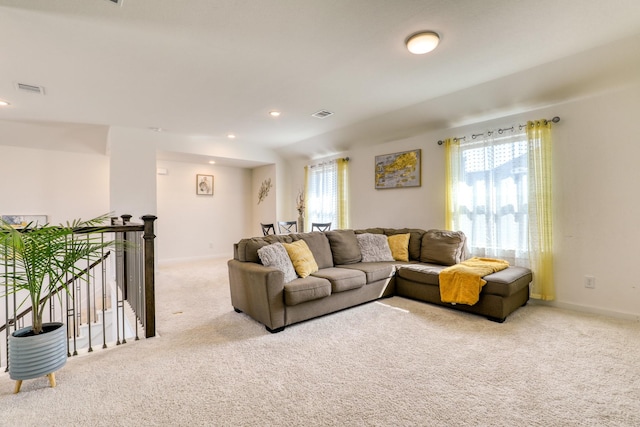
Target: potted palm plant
36,263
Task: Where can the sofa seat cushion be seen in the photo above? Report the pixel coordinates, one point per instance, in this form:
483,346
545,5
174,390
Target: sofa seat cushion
507,282
503,283
308,289
342,279
373,270
421,273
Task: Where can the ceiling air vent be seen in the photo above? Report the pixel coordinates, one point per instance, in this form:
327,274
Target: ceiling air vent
30,88
321,114
119,2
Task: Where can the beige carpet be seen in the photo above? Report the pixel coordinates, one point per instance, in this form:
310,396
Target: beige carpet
391,363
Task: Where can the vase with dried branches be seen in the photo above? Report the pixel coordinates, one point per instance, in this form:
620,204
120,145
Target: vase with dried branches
300,206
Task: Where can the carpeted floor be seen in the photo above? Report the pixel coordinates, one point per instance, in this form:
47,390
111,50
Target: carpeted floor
394,362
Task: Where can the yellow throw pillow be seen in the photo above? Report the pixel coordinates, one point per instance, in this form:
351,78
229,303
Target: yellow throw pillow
399,244
301,258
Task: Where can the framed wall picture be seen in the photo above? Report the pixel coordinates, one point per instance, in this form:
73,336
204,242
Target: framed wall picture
204,185
398,170
19,221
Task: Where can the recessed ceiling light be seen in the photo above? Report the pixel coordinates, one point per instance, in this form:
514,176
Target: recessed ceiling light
322,114
157,129
212,162
231,136
274,113
422,42
3,103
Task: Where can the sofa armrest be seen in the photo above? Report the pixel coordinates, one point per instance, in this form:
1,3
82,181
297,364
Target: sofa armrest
258,291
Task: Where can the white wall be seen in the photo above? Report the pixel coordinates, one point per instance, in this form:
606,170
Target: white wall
415,207
196,226
598,202
62,185
265,211
132,172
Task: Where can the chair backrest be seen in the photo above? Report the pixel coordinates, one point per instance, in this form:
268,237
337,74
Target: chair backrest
286,227
268,229
321,226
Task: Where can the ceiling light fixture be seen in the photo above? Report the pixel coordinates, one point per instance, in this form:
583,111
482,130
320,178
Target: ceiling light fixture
3,103
274,113
231,136
212,162
422,42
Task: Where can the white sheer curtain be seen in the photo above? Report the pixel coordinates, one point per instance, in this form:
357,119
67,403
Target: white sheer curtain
488,194
322,192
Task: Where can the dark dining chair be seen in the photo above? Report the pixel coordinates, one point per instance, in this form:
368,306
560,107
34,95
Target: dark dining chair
268,229
286,227
321,226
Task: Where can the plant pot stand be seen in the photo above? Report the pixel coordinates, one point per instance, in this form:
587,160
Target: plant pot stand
52,382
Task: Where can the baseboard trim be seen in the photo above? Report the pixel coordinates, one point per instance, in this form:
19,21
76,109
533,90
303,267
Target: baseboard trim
588,309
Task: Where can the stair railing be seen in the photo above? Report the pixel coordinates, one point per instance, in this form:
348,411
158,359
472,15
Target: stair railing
111,303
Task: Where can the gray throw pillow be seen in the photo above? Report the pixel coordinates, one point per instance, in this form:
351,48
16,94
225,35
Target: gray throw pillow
374,247
276,256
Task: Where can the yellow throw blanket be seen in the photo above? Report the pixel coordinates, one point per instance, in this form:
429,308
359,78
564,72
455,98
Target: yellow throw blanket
461,283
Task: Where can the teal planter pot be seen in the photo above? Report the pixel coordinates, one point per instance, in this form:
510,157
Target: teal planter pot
33,356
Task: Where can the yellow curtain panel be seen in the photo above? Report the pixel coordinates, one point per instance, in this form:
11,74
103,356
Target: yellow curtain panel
343,193
540,209
452,172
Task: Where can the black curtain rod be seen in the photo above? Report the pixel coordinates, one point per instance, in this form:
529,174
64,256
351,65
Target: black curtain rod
556,119
346,159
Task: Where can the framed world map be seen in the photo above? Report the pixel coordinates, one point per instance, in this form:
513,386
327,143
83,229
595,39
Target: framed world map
398,170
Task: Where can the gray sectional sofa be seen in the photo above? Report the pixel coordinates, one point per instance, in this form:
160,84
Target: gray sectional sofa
347,277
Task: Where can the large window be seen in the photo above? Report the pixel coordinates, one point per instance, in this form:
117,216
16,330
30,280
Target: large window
499,194
491,196
326,193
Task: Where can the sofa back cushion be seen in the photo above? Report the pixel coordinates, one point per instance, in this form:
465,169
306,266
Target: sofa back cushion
344,246
319,246
443,247
246,250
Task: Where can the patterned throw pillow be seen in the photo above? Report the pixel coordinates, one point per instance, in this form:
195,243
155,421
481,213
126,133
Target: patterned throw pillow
301,257
275,255
399,244
374,247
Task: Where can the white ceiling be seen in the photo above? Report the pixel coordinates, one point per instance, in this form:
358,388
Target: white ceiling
213,67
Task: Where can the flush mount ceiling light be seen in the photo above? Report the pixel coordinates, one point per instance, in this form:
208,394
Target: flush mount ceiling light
274,113
231,136
3,103
422,42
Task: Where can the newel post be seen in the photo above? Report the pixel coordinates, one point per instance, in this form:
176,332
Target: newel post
149,277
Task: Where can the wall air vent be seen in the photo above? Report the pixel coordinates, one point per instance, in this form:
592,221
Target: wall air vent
30,88
321,114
